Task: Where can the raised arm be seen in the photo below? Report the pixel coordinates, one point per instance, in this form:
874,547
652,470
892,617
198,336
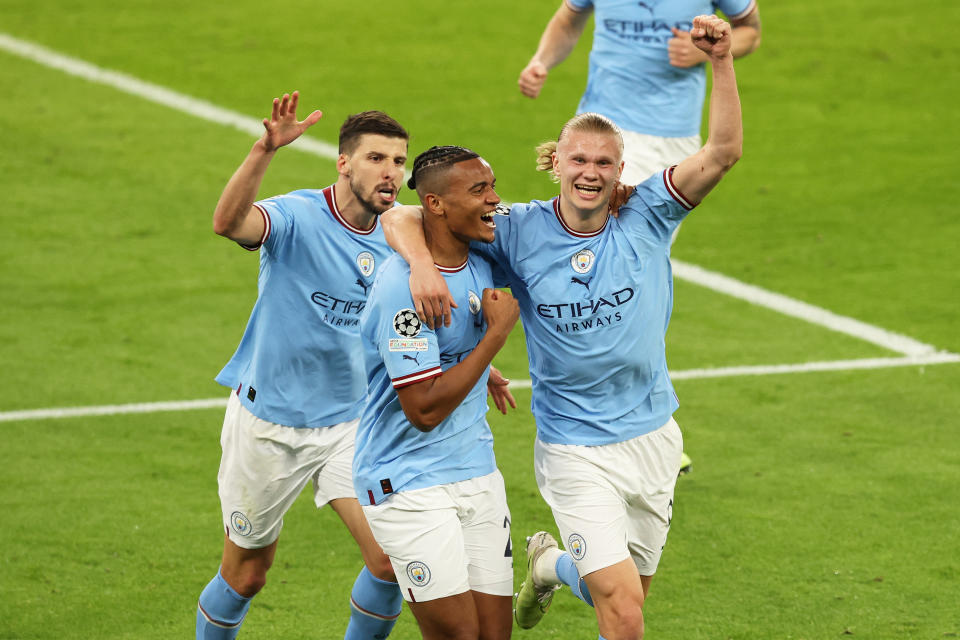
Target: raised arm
403,229
428,403
235,216
558,39
745,40
698,174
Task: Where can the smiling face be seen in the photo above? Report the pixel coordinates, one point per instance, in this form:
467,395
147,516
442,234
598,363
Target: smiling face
375,168
588,164
469,200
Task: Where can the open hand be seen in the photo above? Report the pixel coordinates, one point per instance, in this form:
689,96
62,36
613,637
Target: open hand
282,126
499,389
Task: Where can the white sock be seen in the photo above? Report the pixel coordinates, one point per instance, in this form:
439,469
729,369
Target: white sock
545,568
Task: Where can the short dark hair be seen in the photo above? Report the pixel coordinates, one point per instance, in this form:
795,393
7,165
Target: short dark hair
375,122
435,160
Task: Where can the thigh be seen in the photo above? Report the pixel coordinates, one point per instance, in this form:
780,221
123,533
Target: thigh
420,532
589,512
263,468
485,519
449,618
334,478
650,495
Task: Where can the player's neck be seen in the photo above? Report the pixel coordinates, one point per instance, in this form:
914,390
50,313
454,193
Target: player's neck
447,250
350,207
583,220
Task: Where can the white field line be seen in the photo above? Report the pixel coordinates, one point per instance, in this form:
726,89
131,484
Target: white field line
685,271
689,374
801,310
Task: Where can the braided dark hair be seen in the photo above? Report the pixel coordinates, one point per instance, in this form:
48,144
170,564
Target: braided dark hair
435,159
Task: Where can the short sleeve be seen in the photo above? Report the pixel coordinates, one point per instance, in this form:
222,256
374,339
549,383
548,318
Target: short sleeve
735,9
278,222
494,252
659,203
579,5
408,348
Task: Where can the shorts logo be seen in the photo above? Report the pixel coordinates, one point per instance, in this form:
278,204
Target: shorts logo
418,573
582,261
474,301
406,323
366,263
577,546
241,524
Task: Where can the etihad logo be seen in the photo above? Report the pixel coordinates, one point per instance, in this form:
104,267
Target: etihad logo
332,303
655,27
585,308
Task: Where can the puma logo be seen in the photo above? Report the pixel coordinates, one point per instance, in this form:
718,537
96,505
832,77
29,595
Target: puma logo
362,284
579,281
414,358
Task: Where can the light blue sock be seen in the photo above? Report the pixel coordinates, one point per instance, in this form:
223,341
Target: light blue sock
375,605
220,611
568,574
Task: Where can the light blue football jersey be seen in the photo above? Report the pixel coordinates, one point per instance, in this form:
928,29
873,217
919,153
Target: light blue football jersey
595,310
391,454
631,80
300,362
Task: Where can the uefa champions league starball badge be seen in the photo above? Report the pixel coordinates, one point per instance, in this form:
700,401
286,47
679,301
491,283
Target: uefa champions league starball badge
406,323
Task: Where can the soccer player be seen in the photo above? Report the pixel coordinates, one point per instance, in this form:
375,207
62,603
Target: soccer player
297,376
595,294
645,72
424,467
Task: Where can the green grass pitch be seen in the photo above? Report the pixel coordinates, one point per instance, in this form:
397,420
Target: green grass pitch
821,505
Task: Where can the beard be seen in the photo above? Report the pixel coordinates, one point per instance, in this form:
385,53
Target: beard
367,202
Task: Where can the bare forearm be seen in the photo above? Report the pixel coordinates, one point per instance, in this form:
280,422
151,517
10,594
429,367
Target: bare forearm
560,37
240,193
403,230
431,402
725,137
744,40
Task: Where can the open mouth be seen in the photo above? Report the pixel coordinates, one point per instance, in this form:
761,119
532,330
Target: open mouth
587,190
387,193
487,219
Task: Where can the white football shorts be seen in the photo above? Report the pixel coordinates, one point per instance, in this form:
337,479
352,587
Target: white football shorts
644,154
615,501
447,539
264,467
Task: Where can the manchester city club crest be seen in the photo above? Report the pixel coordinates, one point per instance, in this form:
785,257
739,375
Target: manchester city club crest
366,263
241,523
582,261
577,546
406,323
474,300
418,573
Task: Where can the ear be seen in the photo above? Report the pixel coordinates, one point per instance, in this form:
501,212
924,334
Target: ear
433,205
620,170
343,164
556,165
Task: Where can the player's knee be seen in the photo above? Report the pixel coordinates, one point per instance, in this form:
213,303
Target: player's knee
249,583
625,617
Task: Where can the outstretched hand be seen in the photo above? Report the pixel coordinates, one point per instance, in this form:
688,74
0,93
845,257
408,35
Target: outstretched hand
498,389
282,126
712,35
